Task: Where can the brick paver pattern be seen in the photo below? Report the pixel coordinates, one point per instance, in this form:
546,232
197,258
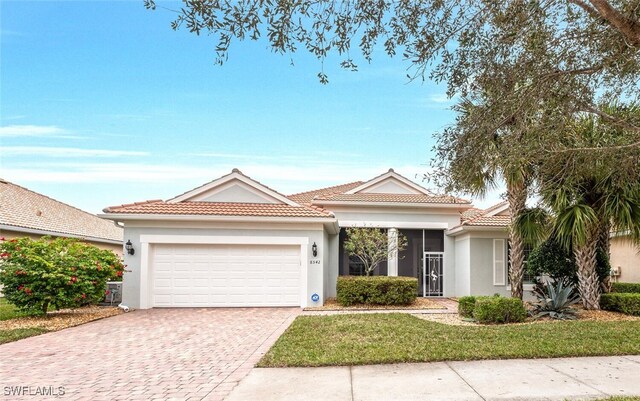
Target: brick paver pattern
155,354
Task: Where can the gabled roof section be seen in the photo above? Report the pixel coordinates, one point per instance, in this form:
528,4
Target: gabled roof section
494,217
234,187
390,182
307,197
23,209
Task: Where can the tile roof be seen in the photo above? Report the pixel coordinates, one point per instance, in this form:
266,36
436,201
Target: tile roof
23,208
307,197
478,217
218,209
392,198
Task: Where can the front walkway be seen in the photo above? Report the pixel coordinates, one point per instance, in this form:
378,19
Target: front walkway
538,379
154,354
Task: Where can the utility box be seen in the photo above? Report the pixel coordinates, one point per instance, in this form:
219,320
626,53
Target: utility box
113,294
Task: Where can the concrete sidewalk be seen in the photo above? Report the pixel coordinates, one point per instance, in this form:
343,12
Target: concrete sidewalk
516,379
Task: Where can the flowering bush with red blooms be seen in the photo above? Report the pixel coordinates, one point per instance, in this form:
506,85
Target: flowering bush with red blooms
58,272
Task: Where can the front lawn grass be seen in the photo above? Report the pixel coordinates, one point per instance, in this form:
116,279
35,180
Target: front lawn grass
7,336
395,337
9,311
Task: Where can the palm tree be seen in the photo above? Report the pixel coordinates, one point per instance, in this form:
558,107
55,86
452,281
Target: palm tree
478,160
580,212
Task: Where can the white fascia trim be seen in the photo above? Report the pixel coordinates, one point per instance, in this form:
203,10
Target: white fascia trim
196,217
227,178
383,177
393,224
498,210
58,234
222,239
396,204
460,229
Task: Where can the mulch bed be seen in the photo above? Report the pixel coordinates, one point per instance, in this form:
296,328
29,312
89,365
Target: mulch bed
331,304
61,319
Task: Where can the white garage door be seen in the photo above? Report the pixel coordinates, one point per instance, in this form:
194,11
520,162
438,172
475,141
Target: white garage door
225,275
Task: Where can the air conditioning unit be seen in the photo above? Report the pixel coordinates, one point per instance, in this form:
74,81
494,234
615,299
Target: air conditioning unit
615,271
113,294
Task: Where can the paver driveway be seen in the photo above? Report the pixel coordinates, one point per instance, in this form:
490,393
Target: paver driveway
195,354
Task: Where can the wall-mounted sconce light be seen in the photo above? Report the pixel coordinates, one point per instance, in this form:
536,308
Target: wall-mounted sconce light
314,249
129,247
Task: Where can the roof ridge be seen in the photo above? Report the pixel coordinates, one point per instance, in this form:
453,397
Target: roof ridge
326,188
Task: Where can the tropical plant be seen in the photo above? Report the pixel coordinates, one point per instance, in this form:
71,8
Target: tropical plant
555,299
372,246
58,272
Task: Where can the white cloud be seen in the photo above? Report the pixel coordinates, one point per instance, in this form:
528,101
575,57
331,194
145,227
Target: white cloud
9,151
439,98
170,180
34,131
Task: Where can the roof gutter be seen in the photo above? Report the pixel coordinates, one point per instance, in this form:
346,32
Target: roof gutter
464,228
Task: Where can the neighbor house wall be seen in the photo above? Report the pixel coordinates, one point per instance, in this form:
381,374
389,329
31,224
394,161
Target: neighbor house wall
9,234
626,256
133,231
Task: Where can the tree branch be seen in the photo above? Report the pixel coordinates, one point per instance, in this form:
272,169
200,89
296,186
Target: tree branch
628,27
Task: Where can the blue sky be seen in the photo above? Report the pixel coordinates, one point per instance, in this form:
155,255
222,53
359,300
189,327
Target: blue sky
101,103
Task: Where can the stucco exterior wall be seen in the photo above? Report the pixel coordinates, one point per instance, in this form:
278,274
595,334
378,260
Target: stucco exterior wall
625,255
481,267
315,272
462,245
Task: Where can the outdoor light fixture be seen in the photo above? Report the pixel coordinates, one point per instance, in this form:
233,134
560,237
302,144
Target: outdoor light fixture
129,247
314,249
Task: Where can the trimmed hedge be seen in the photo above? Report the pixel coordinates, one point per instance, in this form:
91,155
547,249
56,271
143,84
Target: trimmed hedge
628,303
626,287
466,306
499,310
376,290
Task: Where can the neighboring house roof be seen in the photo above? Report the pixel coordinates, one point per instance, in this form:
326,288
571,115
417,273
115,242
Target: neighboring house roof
159,207
24,210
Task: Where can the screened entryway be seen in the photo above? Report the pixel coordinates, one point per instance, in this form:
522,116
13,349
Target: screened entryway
423,259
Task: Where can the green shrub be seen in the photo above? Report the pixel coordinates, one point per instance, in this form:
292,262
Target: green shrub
625,287
466,306
499,310
628,303
59,272
376,290
551,259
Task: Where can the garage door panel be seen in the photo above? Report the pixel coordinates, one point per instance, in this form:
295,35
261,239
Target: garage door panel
225,275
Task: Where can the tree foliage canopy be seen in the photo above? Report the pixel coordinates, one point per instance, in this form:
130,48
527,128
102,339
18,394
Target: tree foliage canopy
522,69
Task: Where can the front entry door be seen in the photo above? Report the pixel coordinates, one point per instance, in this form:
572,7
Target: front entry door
432,274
